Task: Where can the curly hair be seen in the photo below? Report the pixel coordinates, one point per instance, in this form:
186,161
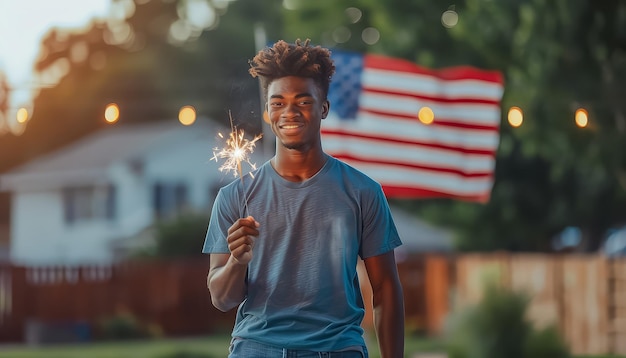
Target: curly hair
298,59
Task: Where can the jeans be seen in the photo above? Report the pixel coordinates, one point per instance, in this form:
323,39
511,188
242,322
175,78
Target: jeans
244,348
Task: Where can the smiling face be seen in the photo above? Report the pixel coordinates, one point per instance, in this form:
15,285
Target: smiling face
296,108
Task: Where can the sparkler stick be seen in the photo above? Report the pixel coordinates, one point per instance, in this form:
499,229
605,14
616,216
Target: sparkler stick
236,151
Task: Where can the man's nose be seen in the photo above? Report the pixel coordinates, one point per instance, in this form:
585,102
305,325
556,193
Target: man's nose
290,110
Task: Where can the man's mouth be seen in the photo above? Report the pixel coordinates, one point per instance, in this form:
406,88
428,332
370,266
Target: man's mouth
290,126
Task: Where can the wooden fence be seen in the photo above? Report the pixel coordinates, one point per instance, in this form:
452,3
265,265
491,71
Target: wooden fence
585,296
170,295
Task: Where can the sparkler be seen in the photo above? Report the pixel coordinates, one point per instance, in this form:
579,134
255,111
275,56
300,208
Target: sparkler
236,151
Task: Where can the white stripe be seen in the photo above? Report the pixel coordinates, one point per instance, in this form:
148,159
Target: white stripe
435,181
409,154
431,86
399,129
469,113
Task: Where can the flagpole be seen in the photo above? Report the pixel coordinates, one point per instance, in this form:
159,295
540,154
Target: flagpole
269,144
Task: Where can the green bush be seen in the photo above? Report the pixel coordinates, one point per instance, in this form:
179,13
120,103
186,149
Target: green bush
124,326
497,328
546,343
181,236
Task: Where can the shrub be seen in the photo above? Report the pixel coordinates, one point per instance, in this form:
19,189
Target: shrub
181,236
125,326
497,328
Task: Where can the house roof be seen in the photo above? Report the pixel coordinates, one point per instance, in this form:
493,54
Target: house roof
90,157
419,236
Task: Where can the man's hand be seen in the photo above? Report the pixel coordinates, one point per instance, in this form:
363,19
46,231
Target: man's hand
241,237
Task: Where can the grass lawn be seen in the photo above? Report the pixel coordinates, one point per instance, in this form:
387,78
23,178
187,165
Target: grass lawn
200,347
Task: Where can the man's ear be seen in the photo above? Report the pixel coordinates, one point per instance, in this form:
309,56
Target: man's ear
266,115
325,109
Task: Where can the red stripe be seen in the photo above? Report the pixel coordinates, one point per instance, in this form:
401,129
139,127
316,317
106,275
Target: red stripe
421,193
354,159
448,74
447,100
437,122
453,148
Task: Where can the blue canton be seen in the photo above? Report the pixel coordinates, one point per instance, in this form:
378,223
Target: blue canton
345,86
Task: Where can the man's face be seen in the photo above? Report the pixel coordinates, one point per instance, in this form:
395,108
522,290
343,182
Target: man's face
296,108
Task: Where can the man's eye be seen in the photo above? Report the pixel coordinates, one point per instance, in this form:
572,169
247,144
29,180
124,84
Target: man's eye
276,104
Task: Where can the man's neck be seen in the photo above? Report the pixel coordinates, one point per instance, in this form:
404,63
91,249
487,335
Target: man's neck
296,166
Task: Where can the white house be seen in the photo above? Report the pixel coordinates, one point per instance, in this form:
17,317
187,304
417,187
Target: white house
69,207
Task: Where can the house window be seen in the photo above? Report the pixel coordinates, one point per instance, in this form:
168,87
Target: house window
87,203
170,199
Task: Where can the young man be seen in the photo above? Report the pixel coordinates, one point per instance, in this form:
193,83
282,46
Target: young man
288,258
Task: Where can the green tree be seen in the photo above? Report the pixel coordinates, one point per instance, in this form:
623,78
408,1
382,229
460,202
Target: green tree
556,56
179,237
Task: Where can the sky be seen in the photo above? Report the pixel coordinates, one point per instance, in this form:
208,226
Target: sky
23,23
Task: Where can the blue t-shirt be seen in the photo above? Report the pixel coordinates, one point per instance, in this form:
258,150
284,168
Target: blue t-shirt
303,289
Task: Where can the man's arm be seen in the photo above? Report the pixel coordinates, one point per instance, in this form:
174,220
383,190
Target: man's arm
226,282
227,273
388,303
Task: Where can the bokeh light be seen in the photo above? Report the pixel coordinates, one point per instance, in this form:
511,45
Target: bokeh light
187,115
341,34
22,115
370,35
449,18
426,115
112,113
582,118
516,116
290,4
354,14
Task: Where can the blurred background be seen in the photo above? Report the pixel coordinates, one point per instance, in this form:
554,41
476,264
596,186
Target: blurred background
109,116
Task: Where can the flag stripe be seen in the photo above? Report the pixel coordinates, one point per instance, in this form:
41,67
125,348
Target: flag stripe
416,192
385,147
424,157
374,62
429,180
426,85
393,129
350,157
432,98
466,113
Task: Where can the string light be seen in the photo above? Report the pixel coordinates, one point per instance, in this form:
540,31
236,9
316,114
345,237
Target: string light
515,116
426,115
112,113
581,118
187,115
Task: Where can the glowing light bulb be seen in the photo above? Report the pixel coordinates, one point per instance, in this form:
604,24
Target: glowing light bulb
426,115
112,113
187,115
516,117
581,118
22,115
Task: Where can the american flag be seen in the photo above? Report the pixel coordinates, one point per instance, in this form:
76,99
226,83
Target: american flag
374,125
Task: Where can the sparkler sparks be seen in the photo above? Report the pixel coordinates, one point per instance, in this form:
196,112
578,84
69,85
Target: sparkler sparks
236,151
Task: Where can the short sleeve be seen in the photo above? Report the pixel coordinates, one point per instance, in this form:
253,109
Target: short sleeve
223,215
379,230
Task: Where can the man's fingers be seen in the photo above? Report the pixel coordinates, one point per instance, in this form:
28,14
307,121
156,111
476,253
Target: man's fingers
245,223
241,242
